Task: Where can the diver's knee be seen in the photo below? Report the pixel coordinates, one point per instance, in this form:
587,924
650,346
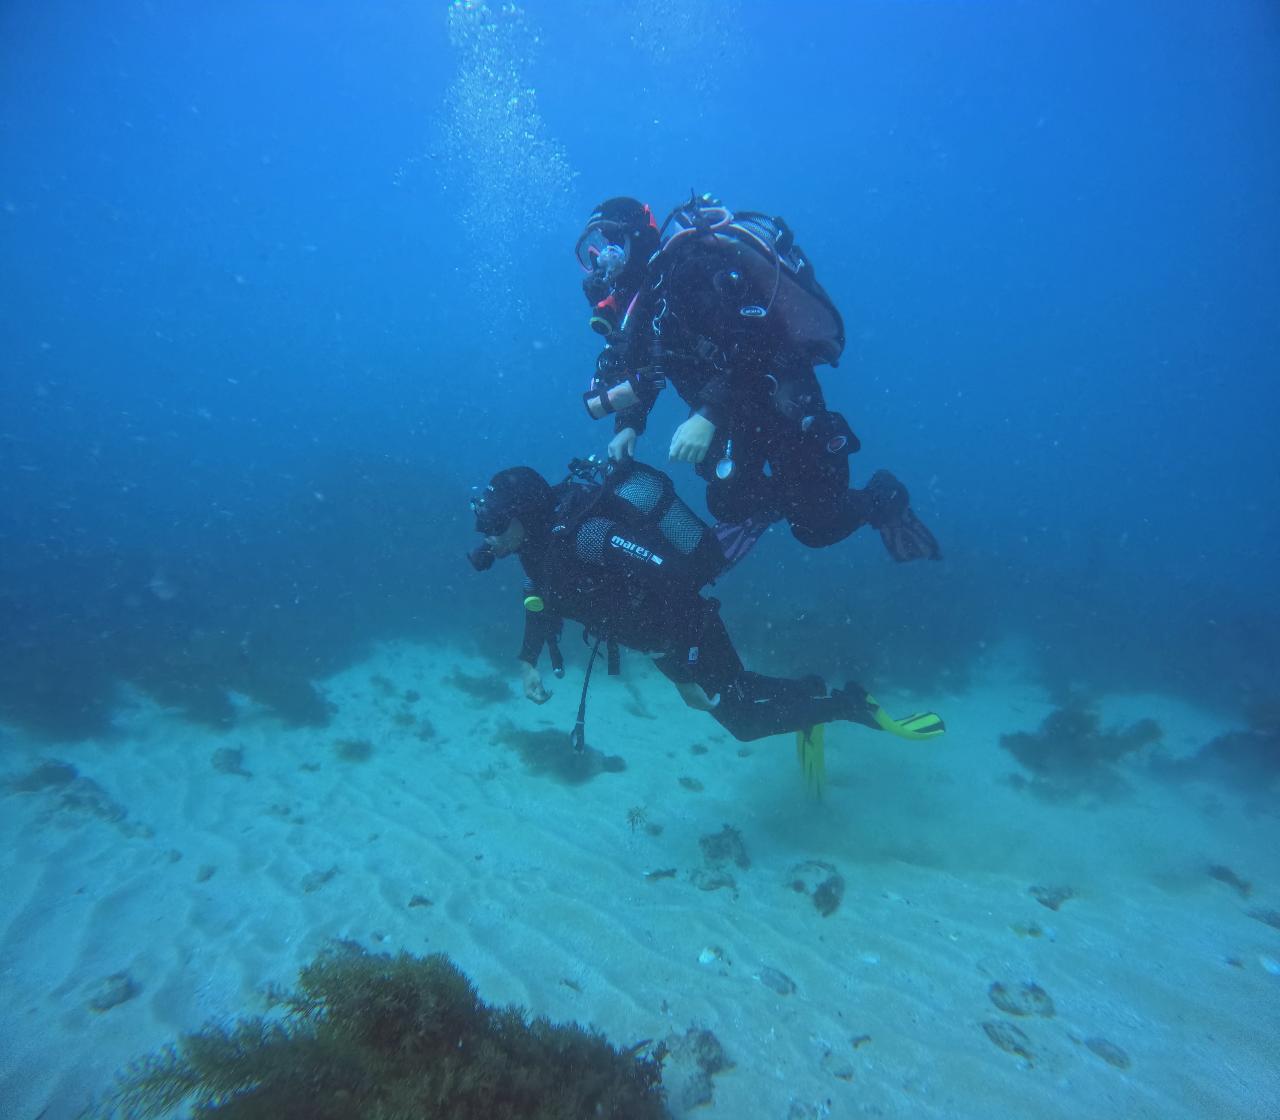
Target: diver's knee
819,535
733,715
732,723
831,518
731,503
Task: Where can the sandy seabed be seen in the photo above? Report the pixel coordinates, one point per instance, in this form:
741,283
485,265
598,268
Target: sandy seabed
184,872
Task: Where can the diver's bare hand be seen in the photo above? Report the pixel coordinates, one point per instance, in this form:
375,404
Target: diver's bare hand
692,439
623,446
533,687
698,700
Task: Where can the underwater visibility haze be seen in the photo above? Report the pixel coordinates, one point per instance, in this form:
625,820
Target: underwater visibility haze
285,285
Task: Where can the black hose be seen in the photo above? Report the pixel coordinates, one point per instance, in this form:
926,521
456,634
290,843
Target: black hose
578,736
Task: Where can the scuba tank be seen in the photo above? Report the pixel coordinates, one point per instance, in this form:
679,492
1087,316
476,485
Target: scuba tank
653,525
767,260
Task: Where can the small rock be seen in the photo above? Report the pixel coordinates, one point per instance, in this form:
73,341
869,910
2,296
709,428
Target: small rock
826,899
1009,1038
695,1091
84,795
317,879
777,981
725,846
692,1060
1225,875
1025,999
230,760
1109,1052
839,1067
1051,897
822,882
50,773
1266,917
706,1051
116,989
712,880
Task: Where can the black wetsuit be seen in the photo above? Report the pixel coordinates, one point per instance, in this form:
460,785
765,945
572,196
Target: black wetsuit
744,375
630,568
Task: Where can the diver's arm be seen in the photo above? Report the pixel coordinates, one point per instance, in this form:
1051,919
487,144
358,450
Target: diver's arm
691,441
714,399
623,446
695,697
540,627
531,682
637,416
625,386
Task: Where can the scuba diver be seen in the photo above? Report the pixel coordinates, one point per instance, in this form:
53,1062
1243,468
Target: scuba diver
614,548
726,307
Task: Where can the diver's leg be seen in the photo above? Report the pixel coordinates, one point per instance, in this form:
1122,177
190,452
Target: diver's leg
750,705
701,651
737,487
823,509
807,448
813,486
755,706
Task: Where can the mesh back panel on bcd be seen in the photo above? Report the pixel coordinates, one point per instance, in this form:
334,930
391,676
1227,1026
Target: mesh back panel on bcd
681,528
641,489
592,534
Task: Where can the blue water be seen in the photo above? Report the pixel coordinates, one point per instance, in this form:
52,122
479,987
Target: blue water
283,283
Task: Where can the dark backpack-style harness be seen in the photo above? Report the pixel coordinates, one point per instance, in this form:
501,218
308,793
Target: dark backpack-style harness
766,259
638,498
772,262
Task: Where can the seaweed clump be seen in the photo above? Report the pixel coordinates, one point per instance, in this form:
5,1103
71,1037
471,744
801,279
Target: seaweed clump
1071,753
491,689
1243,761
368,1036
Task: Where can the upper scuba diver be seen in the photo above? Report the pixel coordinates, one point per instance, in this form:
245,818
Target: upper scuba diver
614,548
726,307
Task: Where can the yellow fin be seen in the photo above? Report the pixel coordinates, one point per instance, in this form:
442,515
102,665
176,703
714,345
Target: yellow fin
922,725
811,750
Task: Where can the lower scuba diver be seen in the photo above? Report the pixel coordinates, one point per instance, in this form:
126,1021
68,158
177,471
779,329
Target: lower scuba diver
726,307
614,548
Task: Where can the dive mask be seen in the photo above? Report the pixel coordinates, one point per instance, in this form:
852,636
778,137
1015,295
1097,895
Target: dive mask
491,519
604,246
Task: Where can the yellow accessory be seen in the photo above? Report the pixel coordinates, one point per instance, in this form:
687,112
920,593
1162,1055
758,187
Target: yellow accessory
811,750
922,725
